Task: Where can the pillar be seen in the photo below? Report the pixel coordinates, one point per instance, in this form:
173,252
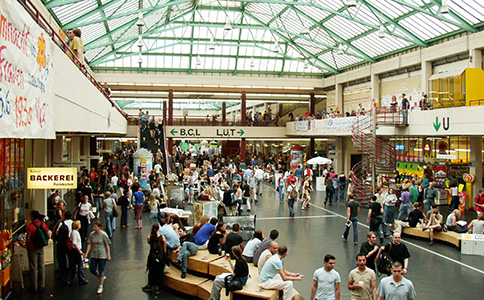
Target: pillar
476,55
339,98
76,148
243,111
375,88
426,73
311,148
164,112
170,146
242,149
338,163
280,110
475,144
170,107
224,112
312,105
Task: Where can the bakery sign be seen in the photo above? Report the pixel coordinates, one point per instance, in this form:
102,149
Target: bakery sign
51,178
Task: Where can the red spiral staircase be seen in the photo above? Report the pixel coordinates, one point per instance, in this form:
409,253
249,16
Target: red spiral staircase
375,152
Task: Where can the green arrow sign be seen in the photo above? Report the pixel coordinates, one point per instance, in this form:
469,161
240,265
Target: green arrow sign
173,131
241,132
437,124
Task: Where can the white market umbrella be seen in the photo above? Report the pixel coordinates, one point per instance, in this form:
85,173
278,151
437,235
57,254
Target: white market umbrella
319,161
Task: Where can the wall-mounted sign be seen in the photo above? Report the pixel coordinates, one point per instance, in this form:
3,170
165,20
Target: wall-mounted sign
51,178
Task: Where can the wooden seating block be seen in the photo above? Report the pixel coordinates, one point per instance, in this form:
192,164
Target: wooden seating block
200,262
253,290
188,285
219,266
449,236
205,289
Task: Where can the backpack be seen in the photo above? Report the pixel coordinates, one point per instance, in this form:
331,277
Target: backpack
40,236
62,233
384,264
293,193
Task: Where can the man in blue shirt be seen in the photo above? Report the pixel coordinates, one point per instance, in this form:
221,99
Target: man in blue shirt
274,277
202,236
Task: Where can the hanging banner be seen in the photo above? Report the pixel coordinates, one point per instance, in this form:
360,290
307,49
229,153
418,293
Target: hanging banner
26,76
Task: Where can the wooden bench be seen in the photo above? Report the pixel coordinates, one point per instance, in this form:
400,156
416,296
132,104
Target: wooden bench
198,262
213,265
449,236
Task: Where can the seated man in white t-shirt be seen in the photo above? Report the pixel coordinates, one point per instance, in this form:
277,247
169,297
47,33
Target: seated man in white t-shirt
266,254
274,277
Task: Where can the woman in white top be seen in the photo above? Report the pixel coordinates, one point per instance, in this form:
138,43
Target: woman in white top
477,225
238,197
454,192
452,219
75,256
253,245
154,207
82,214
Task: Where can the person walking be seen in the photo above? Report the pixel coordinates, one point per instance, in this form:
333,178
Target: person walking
139,199
396,286
124,203
35,251
75,256
98,243
362,280
109,205
281,188
156,260
291,197
326,281
352,211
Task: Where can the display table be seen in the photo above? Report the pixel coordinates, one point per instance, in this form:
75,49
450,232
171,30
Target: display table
208,208
320,186
472,244
182,214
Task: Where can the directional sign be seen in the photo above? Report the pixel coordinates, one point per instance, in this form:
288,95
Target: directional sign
224,132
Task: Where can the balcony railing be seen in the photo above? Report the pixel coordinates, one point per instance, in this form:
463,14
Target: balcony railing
44,24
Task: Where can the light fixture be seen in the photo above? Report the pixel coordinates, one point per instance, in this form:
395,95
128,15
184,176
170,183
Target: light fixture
252,64
306,28
140,59
381,32
199,61
212,44
351,3
140,19
227,26
276,46
341,50
140,41
306,64
444,9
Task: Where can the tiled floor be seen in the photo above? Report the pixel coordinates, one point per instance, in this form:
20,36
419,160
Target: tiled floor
438,272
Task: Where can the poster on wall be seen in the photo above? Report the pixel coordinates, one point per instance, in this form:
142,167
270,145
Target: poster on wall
26,76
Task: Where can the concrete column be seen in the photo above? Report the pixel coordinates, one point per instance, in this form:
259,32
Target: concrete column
375,88
164,112
224,112
41,150
170,146
76,148
280,110
426,73
243,110
243,148
339,97
475,144
170,107
338,158
312,105
311,148
476,55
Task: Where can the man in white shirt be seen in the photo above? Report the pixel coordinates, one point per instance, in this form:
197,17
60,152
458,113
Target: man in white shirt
157,169
326,281
259,175
266,254
274,277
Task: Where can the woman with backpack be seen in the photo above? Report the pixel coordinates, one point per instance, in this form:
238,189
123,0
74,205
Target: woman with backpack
156,260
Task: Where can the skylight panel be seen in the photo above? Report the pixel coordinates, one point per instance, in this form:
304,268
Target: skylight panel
67,13
391,9
472,11
331,4
345,28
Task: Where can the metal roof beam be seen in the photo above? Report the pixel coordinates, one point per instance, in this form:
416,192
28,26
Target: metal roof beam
335,36
413,38
461,23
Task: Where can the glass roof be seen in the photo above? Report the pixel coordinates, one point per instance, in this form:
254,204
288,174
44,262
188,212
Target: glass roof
272,37
278,37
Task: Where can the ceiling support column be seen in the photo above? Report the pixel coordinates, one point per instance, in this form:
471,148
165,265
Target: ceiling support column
375,90
164,113
170,107
312,105
224,113
339,98
243,110
243,150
